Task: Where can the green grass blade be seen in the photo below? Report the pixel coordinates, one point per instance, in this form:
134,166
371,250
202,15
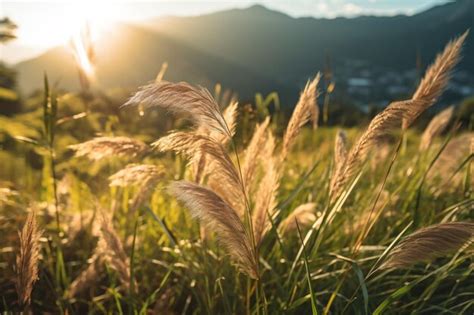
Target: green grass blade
308,273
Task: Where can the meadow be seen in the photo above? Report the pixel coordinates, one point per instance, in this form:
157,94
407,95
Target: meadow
183,201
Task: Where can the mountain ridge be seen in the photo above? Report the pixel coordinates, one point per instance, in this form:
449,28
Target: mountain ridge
256,49
149,50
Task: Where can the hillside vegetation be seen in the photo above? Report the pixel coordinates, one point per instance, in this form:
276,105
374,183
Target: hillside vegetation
185,201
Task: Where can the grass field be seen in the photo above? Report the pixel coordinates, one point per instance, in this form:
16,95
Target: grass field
181,202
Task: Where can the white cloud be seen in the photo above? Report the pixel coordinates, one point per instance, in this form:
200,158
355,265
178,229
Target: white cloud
351,9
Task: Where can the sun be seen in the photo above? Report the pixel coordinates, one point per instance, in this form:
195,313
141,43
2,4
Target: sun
97,15
65,20
88,23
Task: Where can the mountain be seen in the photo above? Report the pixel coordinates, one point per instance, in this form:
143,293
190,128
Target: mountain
130,56
260,50
290,49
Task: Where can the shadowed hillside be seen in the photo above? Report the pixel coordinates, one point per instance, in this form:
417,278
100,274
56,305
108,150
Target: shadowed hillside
290,49
130,56
259,50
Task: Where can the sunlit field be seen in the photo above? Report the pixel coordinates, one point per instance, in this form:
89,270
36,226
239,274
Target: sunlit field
178,199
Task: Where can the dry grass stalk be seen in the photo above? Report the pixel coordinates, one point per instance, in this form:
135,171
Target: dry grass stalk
406,112
340,148
304,214
314,118
455,152
87,277
369,215
385,122
27,260
6,196
340,154
142,175
136,174
224,174
111,249
230,117
301,115
269,147
104,147
79,223
379,156
220,217
161,73
182,98
254,152
436,126
429,243
437,76
265,202
200,169
146,190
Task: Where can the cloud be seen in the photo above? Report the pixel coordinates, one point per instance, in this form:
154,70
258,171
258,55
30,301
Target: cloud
351,9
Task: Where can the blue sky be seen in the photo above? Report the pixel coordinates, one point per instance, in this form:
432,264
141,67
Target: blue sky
43,24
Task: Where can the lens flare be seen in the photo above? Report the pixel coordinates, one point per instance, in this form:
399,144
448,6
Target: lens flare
83,52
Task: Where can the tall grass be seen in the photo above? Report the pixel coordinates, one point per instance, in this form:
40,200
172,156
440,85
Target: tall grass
204,220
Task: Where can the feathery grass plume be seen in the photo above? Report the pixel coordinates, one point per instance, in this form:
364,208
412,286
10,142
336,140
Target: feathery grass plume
301,114
437,76
146,190
436,127
220,217
230,117
386,121
27,260
200,168
182,98
368,215
269,147
340,154
304,214
103,147
143,175
253,152
111,249
135,174
315,111
219,163
451,158
265,201
87,277
6,196
384,148
79,223
429,243
340,148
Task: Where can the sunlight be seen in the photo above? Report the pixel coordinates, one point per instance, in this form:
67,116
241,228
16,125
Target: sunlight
67,20
83,52
97,16
89,22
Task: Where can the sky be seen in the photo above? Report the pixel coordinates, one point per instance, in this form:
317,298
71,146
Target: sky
44,24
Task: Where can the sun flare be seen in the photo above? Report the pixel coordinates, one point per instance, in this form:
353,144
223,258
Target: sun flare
90,21
67,20
83,52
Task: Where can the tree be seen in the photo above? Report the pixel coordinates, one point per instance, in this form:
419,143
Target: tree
7,30
9,100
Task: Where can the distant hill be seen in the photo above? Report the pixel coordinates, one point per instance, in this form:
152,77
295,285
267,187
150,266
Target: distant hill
131,56
260,50
291,49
